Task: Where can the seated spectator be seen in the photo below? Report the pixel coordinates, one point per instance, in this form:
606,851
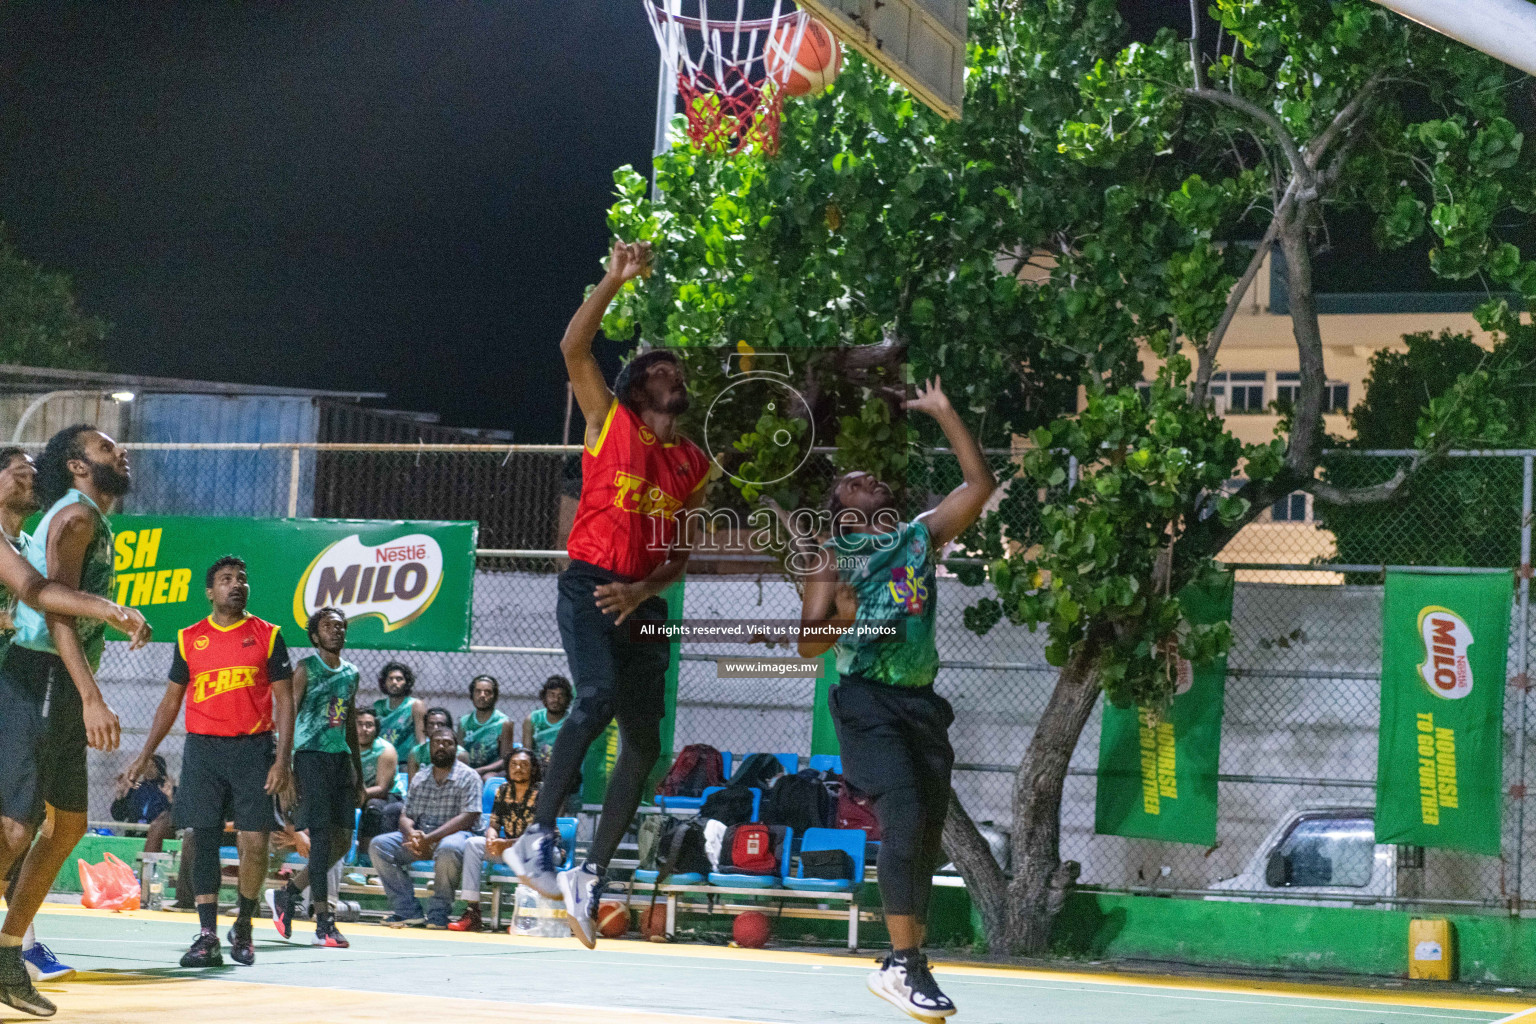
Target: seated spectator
437,718
511,815
486,733
441,806
542,726
147,802
381,767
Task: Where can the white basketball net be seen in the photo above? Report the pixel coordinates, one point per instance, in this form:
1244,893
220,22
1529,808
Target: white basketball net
730,88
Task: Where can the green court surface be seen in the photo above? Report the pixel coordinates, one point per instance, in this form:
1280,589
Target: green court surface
130,974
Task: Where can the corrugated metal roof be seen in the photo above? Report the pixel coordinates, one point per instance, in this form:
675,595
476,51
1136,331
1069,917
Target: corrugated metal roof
15,378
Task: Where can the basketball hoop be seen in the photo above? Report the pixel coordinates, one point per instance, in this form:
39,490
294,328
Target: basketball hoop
730,98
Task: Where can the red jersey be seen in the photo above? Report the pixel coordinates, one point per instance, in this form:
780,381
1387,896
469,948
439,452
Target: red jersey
228,672
633,487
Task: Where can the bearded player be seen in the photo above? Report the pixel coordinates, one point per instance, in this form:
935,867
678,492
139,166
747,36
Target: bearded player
892,726
638,477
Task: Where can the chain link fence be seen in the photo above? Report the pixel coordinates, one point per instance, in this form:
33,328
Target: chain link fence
1302,699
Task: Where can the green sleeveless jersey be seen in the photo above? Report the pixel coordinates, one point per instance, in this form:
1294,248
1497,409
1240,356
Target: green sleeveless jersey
97,577
545,731
8,600
320,721
422,752
893,576
397,727
370,757
482,740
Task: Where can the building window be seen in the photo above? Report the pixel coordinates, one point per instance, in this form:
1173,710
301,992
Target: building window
1290,509
1288,389
1244,392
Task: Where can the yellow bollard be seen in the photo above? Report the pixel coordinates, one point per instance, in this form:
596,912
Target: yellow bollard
1430,949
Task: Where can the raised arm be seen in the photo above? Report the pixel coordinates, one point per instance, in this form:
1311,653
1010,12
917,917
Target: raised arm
36,590
625,263
962,506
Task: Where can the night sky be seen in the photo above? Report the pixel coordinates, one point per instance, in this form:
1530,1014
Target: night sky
405,197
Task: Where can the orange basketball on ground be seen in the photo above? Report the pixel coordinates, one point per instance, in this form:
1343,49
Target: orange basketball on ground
809,68
653,923
612,919
751,930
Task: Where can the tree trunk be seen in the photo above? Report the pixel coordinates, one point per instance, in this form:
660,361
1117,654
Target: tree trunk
1040,879
972,857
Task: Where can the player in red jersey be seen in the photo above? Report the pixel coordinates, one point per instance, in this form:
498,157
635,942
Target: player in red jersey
231,668
638,478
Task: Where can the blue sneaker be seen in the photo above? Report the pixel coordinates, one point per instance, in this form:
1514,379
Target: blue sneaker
533,858
42,965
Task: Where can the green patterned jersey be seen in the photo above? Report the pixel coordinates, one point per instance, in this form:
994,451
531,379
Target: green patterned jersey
320,721
8,600
397,726
893,576
97,577
482,740
370,757
545,731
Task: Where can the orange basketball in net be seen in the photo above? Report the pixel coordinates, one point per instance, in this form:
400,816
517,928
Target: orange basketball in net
808,68
612,919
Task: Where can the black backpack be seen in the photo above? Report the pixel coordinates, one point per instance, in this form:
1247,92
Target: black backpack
679,848
799,801
757,771
729,806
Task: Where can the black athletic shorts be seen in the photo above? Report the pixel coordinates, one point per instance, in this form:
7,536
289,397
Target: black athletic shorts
42,733
224,778
892,736
612,673
327,791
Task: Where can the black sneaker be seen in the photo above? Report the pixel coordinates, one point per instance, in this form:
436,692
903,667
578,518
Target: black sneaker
241,949
16,988
908,985
280,901
327,935
205,952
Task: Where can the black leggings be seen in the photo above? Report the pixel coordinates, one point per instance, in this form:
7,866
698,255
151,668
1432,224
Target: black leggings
895,747
615,677
205,863
326,847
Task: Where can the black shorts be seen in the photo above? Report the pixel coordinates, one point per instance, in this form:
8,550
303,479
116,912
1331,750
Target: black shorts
224,778
327,791
611,672
892,736
43,736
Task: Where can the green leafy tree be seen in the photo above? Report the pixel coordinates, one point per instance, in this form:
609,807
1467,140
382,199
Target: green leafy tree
1086,205
41,323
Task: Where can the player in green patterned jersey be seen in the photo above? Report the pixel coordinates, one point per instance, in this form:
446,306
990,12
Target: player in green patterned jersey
486,733
876,571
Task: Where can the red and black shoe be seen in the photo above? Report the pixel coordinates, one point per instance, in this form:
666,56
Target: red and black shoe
470,922
326,934
280,901
242,949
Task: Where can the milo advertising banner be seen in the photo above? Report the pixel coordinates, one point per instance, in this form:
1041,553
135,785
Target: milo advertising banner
404,585
1440,758
1157,772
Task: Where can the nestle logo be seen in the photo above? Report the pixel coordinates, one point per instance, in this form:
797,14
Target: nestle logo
401,553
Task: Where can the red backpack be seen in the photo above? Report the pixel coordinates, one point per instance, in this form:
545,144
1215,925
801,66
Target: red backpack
698,766
855,810
749,848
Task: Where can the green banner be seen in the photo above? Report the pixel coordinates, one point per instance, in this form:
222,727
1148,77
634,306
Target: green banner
1440,759
404,585
1157,773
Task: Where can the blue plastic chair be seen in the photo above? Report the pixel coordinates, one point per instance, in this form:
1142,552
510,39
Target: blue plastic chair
734,880
488,793
402,782
832,763
692,803
850,840
567,827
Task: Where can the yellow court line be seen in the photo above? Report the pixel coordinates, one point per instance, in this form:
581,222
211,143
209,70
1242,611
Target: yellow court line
141,999
1275,988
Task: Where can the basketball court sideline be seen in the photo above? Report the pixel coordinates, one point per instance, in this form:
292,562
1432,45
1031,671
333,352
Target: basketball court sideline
129,974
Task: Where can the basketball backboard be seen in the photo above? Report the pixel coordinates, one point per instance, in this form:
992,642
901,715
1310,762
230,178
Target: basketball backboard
919,43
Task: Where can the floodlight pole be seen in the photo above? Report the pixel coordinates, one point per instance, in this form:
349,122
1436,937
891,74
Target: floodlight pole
1503,29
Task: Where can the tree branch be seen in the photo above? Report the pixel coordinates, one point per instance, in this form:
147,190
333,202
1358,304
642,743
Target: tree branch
1194,43
1299,166
1342,121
